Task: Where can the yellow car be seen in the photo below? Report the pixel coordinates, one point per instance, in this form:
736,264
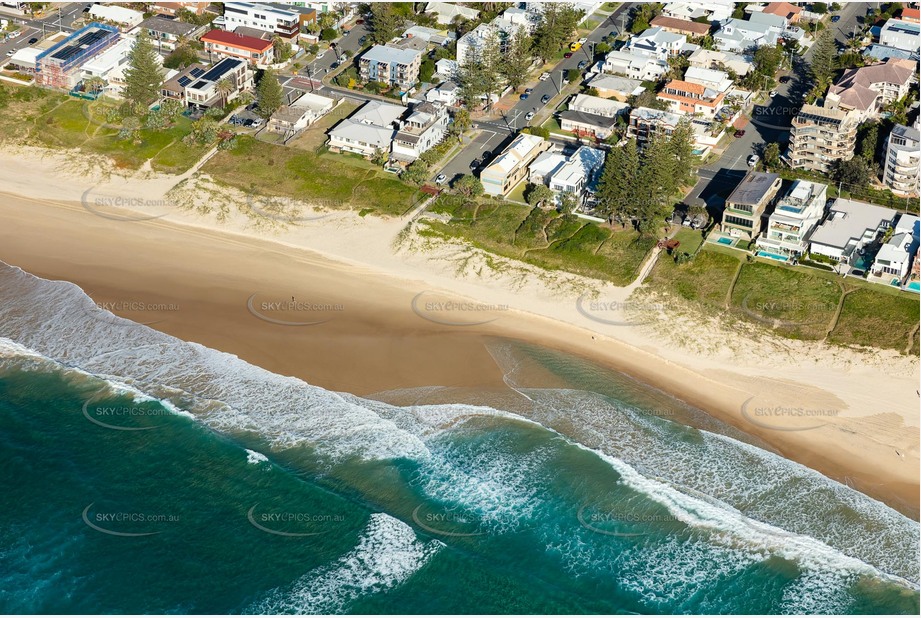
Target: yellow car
575,46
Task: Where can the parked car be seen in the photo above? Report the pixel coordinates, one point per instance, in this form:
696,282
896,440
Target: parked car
752,160
529,116
257,123
524,96
474,164
567,55
773,93
86,9
784,79
545,99
440,179
33,40
363,40
739,133
575,46
321,54
11,52
544,76
835,18
486,154
334,66
583,64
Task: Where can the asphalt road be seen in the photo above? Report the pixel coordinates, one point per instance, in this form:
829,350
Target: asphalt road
488,140
515,117
321,66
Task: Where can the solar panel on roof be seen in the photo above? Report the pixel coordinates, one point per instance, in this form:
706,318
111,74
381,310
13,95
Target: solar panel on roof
184,81
219,70
197,72
199,84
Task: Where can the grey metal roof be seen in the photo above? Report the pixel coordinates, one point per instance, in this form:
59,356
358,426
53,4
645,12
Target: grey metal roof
753,188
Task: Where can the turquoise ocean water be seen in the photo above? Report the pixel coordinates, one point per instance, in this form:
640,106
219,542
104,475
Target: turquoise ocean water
142,474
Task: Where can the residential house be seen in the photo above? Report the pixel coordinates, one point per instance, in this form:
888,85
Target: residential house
426,126
124,18
790,12
656,43
390,65
205,91
542,168
614,87
893,262
793,220
910,14
446,93
446,68
166,33
633,66
174,85
110,66
903,156
720,60
232,45
367,131
718,81
714,11
747,203
60,65
693,99
822,135
579,173
173,8
430,36
890,79
881,53
307,109
739,35
447,13
646,122
680,26
278,20
592,116
307,15
511,166
849,227
901,35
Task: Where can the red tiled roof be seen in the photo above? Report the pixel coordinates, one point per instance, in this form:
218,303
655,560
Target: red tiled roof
784,9
684,25
239,41
910,14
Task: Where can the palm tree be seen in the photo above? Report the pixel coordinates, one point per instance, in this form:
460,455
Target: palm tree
224,88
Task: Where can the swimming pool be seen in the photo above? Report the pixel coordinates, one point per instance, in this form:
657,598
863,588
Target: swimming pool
914,286
773,256
724,241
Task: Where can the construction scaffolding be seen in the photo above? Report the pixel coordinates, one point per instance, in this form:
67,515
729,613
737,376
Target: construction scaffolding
55,66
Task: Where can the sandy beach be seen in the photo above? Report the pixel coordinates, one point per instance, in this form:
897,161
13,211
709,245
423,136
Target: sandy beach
363,305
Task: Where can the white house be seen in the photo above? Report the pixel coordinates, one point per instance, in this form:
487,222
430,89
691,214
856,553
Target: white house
901,35
709,78
567,174
289,119
793,220
588,104
849,227
425,127
634,66
447,12
110,66
126,18
738,35
446,94
720,60
276,20
715,10
656,43
369,130
893,261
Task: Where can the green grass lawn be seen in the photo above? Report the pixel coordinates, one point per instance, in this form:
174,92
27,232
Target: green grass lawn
690,240
874,318
55,120
333,181
798,304
704,279
544,238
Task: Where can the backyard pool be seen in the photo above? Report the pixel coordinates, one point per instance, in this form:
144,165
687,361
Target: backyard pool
725,241
773,256
914,286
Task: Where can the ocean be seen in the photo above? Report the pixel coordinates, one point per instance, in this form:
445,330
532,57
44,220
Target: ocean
145,474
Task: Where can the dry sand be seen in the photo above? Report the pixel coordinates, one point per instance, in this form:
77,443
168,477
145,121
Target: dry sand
361,276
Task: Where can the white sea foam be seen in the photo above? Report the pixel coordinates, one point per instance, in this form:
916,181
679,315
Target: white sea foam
255,457
386,556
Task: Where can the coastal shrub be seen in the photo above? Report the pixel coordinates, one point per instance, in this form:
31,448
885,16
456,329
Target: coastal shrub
880,318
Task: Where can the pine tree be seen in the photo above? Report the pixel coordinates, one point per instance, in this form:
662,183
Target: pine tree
384,22
144,75
517,60
269,95
822,65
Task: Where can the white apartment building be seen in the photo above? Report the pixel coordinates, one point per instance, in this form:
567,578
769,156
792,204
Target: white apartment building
849,227
794,218
903,160
282,22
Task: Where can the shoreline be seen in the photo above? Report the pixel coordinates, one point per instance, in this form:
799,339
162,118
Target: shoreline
870,442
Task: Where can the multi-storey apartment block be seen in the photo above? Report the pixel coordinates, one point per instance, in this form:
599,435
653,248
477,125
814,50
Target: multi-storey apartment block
391,65
793,220
903,160
822,135
747,203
